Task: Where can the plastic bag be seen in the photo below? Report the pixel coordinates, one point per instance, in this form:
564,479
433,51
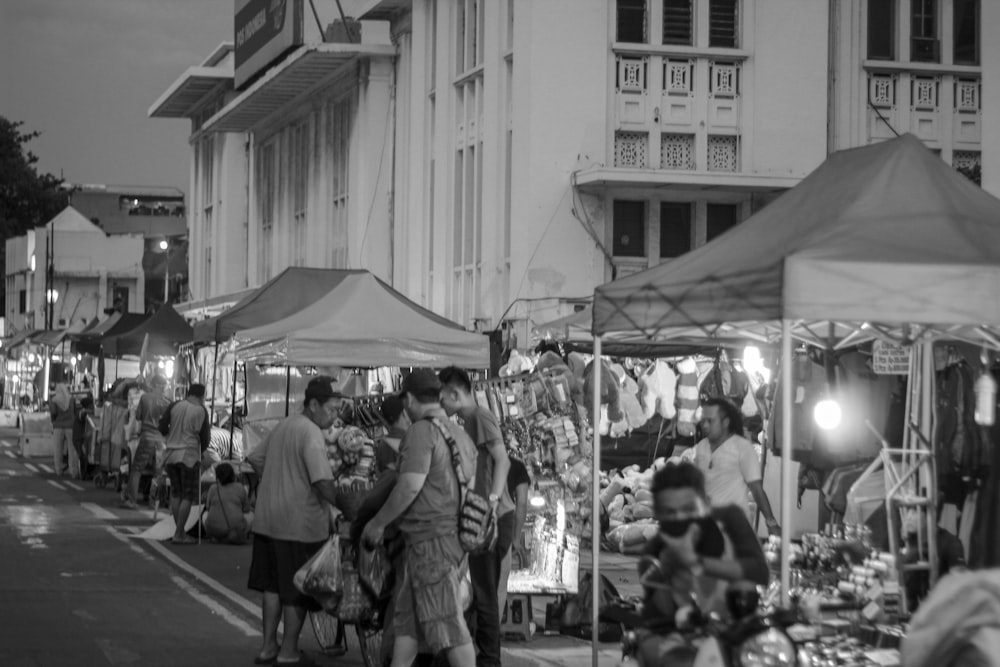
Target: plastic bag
321,578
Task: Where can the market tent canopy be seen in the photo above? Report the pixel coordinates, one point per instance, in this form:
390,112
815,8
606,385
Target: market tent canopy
116,324
363,322
875,240
166,330
288,292
19,339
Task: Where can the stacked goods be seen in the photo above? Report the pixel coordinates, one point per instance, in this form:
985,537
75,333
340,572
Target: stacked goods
629,503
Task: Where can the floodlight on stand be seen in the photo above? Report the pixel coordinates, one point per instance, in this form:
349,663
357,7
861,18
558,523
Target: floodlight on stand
986,394
827,414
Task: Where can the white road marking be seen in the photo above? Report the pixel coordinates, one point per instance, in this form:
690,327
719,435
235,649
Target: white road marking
217,608
236,599
99,512
46,468
31,467
75,487
131,545
11,455
56,484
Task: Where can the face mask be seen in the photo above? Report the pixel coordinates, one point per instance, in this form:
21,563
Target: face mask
711,542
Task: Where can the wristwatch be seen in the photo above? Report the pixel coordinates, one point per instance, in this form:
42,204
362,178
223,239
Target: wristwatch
494,498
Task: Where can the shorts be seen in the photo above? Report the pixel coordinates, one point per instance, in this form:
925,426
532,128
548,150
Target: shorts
144,459
184,481
428,604
273,566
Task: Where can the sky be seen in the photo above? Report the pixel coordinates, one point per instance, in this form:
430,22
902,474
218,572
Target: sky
85,72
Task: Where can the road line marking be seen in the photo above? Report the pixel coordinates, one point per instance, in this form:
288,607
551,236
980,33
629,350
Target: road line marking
56,484
129,543
46,468
11,455
219,588
217,608
75,487
31,468
99,512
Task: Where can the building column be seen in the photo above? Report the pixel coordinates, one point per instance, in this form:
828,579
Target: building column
990,58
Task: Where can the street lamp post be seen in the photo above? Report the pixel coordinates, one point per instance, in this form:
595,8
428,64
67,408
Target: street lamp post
165,246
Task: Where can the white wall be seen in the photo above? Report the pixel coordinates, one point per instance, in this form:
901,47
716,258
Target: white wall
788,85
990,57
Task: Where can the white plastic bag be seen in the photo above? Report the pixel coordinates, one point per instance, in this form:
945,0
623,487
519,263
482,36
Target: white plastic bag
321,578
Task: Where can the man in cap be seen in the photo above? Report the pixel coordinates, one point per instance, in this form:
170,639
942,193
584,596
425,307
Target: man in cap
291,521
424,504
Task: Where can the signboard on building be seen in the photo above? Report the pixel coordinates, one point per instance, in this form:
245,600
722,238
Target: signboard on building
265,30
888,359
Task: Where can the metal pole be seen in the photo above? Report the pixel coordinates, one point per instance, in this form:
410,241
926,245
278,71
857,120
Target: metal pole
166,277
288,386
595,517
215,375
232,413
786,462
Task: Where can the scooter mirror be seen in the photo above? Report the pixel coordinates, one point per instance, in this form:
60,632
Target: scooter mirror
742,599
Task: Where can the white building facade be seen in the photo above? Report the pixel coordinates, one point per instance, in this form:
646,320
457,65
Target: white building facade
495,160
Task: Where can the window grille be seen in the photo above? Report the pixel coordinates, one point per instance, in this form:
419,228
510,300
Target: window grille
632,75
677,151
632,21
723,23
722,153
882,90
924,93
725,79
966,159
677,76
967,95
630,149
678,22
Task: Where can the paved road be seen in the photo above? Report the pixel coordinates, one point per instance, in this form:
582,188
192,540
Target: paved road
78,589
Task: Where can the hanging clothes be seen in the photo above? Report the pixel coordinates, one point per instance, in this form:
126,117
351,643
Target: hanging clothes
687,397
984,543
961,446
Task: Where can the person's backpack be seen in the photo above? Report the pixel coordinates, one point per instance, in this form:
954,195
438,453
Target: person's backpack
477,521
577,616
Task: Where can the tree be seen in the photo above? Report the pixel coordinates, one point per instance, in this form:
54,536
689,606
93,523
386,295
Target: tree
27,198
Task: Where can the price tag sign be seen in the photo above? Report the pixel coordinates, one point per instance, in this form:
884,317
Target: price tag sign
888,359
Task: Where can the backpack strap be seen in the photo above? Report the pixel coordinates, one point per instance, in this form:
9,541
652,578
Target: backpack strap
456,456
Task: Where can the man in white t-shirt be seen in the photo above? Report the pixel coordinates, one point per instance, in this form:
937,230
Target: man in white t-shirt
729,462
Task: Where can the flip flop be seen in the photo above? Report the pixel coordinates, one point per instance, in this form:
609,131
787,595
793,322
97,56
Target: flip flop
303,661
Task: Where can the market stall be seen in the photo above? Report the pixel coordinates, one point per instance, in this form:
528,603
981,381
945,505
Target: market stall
883,242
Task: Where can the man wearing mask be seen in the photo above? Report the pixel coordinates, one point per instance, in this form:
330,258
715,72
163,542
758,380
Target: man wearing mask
698,550
292,518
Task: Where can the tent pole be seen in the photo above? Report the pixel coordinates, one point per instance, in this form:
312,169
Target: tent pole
288,386
232,412
786,462
595,515
215,375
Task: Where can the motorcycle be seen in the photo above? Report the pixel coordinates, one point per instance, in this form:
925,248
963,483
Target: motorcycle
749,639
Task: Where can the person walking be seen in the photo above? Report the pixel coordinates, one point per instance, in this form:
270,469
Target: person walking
518,482
152,405
484,568
424,503
729,462
292,517
186,426
61,410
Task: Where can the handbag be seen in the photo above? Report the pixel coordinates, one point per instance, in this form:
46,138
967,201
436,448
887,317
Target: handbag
477,520
357,604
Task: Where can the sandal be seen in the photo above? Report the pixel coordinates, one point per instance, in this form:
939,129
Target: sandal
303,661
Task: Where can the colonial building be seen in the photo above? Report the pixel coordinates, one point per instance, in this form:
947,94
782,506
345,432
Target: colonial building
88,270
496,160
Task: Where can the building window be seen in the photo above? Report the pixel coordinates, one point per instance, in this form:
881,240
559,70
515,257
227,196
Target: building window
924,32
678,22
209,242
675,229
22,301
300,191
720,218
629,228
723,23
470,35
882,29
267,183
339,121
966,32
631,21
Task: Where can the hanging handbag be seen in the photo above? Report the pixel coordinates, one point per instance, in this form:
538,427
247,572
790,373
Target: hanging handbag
477,521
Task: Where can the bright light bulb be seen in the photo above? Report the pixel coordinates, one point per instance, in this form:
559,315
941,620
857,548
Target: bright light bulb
164,245
827,414
169,368
31,357
537,501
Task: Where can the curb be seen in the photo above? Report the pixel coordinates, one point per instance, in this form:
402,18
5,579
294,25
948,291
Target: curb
558,651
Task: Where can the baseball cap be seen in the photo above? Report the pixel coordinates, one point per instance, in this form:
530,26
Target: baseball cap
421,382
392,407
321,388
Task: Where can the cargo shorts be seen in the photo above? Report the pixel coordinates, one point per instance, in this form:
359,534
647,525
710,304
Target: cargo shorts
428,604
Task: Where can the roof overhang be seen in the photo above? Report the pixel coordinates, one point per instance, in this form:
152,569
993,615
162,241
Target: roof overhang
381,10
599,179
187,92
203,308
305,70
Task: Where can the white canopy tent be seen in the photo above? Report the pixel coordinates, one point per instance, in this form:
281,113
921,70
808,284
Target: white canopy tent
879,242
